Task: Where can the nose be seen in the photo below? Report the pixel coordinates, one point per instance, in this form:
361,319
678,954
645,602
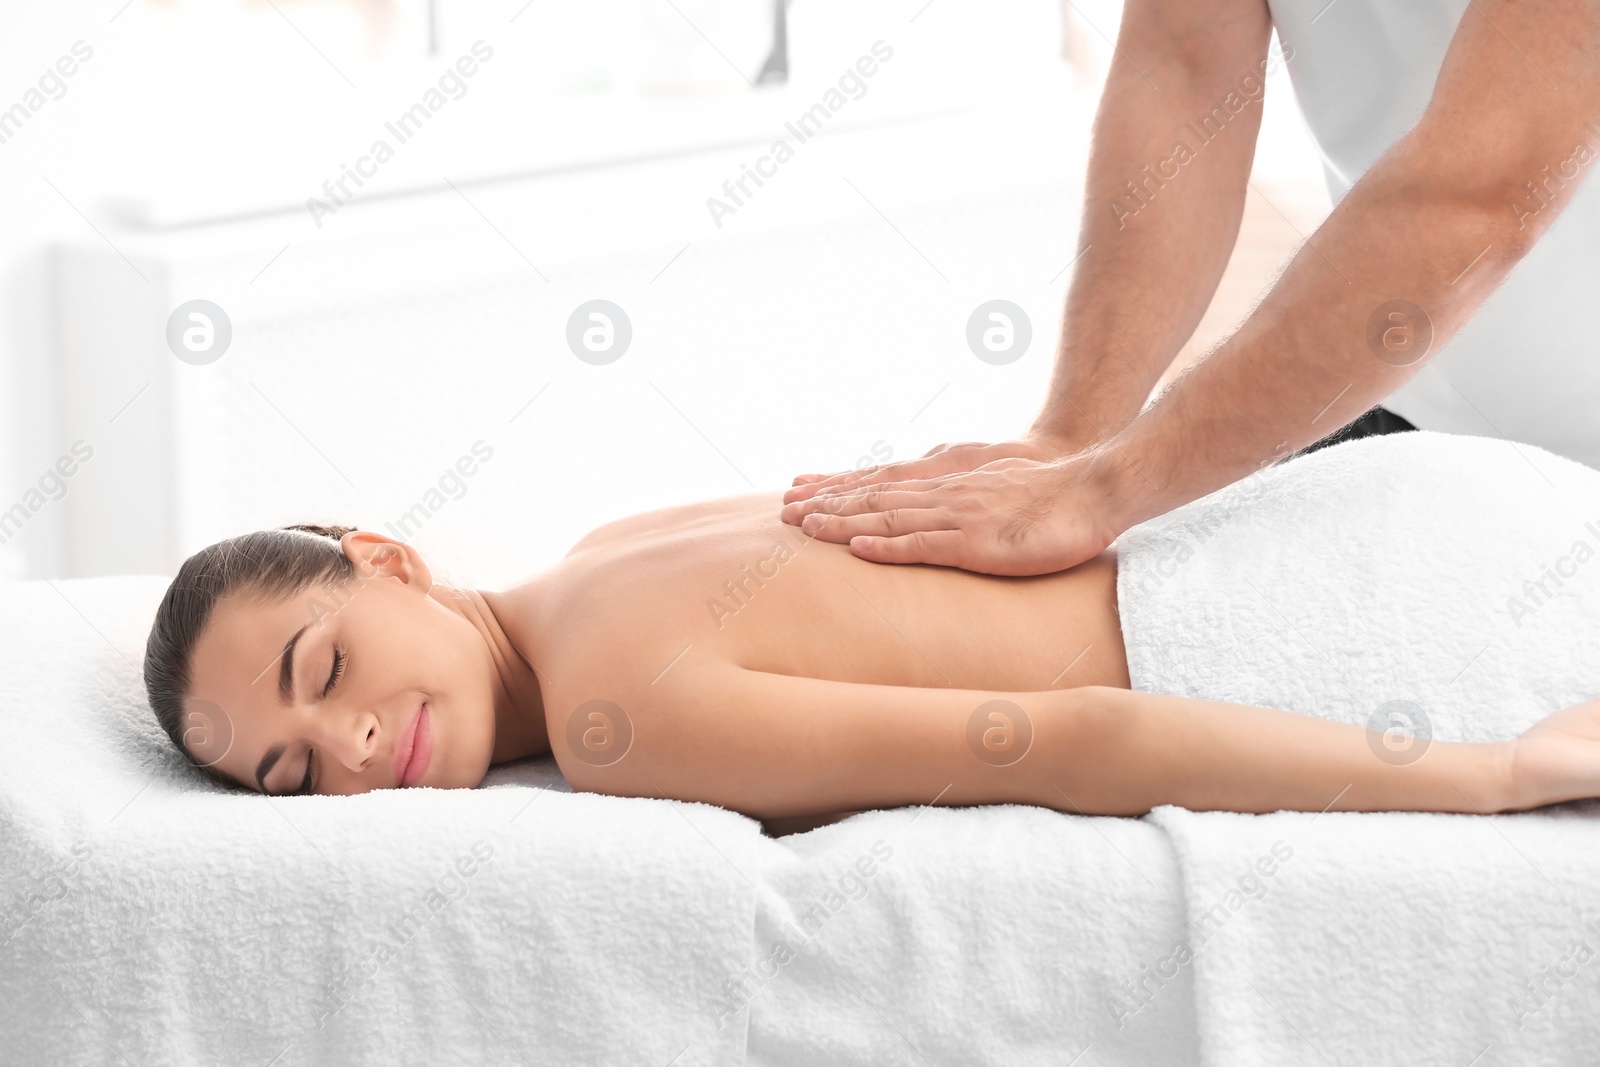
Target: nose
352,739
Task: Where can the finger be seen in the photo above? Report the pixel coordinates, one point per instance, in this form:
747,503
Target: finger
807,484
975,550
959,459
1006,463
962,447
806,490
891,523
848,480
854,502
947,548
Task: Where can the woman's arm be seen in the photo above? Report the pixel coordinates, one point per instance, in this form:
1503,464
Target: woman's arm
775,746
1211,755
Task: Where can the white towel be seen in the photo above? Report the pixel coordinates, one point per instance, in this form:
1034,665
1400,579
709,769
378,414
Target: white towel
1392,581
149,917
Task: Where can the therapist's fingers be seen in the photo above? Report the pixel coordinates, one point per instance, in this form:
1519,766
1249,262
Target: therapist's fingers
850,500
865,498
978,550
938,461
886,521
947,548
904,471
1004,543
1011,517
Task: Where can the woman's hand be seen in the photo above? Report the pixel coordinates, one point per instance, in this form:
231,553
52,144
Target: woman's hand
1557,758
1008,517
939,460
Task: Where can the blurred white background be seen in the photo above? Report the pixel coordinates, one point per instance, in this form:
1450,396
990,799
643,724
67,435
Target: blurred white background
815,323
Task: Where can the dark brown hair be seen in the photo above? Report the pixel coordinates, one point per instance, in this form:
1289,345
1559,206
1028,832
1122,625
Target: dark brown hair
269,566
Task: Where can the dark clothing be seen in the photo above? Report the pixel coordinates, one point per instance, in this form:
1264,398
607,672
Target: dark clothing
1378,420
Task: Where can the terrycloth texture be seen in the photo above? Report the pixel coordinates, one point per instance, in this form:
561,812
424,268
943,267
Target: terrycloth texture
1394,937
1392,580
1397,568
1005,935
152,916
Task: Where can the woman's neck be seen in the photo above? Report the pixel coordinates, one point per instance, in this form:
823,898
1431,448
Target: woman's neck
519,723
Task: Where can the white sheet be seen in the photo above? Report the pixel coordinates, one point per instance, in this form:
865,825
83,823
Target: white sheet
1394,937
989,935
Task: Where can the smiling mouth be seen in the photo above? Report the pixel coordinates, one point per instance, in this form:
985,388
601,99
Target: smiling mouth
415,749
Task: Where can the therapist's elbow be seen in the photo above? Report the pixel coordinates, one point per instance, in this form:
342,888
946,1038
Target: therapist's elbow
1501,206
1534,200
1521,210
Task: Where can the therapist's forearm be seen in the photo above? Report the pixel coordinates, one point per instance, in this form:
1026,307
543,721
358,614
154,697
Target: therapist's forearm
1301,365
1157,228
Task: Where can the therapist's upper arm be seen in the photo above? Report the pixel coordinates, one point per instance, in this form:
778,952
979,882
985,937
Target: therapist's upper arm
1517,101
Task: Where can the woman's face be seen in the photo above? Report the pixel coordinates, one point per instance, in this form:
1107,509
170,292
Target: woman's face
334,681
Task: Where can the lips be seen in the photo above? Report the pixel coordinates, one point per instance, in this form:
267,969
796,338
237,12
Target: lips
414,749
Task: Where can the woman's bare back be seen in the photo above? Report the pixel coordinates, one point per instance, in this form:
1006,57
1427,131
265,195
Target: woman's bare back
726,580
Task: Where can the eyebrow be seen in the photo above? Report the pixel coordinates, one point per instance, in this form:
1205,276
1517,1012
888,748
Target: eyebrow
285,698
286,670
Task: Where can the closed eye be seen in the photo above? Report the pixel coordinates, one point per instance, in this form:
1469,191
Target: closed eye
337,672
339,659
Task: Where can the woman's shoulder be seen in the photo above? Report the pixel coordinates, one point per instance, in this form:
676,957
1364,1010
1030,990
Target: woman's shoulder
613,610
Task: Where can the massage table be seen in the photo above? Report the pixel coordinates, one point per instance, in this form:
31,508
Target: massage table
148,915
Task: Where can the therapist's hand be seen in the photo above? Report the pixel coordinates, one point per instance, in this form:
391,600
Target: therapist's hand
937,461
1010,517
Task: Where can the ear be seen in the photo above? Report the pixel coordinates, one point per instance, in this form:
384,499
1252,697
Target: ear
377,556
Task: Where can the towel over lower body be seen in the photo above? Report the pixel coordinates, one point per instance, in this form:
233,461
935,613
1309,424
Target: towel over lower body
1449,578
1434,587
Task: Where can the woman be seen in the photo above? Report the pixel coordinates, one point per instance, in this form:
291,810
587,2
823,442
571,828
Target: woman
714,652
